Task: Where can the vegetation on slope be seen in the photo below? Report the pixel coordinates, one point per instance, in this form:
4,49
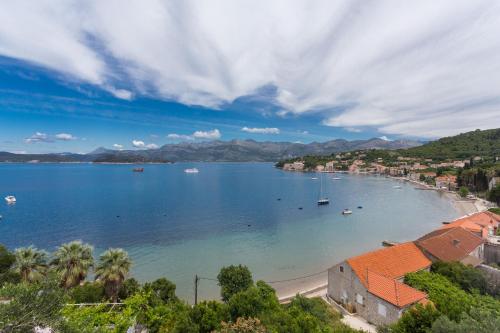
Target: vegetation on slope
54,299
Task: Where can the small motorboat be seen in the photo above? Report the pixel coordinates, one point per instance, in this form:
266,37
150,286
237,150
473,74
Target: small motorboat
10,199
138,169
396,186
323,201
346,211
360,207
314,178
191,170
336,178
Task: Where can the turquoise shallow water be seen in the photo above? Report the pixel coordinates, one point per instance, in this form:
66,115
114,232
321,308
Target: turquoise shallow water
177,225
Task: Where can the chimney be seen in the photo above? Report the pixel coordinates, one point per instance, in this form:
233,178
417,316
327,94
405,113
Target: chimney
456,242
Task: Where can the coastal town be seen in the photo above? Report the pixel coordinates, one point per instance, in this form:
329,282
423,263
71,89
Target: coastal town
445,175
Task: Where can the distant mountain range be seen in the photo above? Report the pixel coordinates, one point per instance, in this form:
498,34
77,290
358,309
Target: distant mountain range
214,151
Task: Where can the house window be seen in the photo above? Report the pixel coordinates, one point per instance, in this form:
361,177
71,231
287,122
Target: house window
382,310
341,268
344,296
359,299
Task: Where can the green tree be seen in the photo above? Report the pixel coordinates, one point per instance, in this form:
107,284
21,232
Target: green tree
129,288
163,289
73,261
30,263
31,305
463,191
417,319
233,279
494,194
7,259
113,267
243,325
89,292
209,315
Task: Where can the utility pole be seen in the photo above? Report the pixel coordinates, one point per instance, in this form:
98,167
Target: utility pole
196,279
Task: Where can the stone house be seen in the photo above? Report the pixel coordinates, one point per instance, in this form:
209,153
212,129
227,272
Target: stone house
453,244
372,284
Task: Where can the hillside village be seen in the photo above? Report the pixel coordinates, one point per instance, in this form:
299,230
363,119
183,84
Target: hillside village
466,163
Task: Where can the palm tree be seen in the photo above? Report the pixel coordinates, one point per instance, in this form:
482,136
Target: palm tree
73,261
30,263
113,268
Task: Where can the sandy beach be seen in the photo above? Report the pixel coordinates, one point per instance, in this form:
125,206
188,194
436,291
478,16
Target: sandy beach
316,285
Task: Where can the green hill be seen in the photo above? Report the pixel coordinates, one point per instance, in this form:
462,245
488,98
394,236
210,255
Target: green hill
463,146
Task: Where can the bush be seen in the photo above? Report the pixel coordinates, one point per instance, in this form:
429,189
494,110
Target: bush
417,319
90,292
463,191
450,299
233,279
467,277
209,315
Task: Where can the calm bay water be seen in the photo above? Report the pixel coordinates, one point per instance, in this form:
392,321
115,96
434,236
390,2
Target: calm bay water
177,225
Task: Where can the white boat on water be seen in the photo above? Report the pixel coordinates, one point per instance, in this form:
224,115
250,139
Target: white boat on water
322,200
336,178
314,178
396,186
191,170
10,199
346,212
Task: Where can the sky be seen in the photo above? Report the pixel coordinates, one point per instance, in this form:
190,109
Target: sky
138,74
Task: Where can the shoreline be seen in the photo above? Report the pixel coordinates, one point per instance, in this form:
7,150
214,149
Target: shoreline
317,285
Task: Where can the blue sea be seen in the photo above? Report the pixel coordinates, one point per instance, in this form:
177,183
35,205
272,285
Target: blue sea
177,225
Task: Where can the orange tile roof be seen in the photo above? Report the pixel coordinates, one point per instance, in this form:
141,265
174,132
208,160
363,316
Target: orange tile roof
476,222
393,291
451,244
392,262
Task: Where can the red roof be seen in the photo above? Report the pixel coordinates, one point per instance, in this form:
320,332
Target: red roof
451,244
393,291
476,222
392,262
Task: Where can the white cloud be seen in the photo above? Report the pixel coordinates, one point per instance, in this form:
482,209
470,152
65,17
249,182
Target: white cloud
118,146
385,138
353,129
265,130
20,152
175,136
65,137
436,73
38,137
202,135
138,144
209,135
142,145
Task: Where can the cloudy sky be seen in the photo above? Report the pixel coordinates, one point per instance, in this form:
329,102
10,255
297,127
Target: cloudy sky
75,75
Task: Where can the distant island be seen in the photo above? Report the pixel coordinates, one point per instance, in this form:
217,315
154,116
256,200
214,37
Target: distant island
212,151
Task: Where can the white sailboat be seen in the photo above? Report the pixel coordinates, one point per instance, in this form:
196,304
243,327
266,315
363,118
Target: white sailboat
322,200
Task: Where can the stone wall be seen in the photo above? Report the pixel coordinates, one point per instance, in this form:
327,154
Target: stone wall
491,253
492,275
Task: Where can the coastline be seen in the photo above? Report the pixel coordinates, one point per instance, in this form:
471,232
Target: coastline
316,285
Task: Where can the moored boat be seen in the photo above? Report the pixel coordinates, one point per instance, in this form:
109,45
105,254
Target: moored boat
10,199
191,170
346,211
138,169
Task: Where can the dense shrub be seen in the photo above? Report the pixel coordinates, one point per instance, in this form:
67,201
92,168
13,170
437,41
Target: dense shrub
89,292
467,277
